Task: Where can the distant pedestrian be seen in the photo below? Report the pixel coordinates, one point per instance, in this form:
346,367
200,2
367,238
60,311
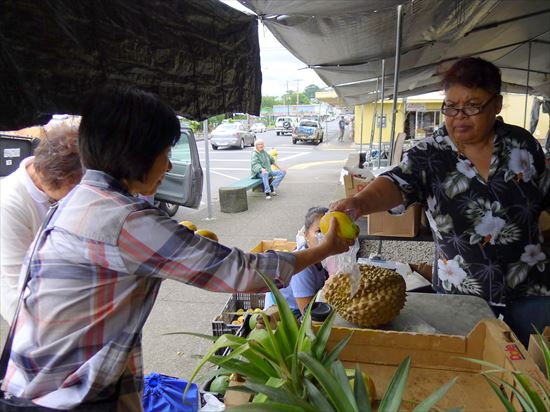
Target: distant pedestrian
260,166
342,126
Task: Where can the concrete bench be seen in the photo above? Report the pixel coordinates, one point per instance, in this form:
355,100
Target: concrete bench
233,197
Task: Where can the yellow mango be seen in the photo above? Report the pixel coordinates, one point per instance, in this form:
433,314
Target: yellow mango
207,233
188,224
346,228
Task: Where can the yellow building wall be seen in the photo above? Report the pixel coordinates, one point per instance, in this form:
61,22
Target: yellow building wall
512,111
513,108
368,110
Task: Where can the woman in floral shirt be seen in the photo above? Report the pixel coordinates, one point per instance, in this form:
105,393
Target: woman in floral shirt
485,184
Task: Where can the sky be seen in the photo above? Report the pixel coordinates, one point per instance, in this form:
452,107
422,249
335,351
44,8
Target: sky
278,64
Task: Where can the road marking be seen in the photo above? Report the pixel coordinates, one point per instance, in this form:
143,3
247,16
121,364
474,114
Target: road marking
338,150
281,159
229,168
224,175
302,166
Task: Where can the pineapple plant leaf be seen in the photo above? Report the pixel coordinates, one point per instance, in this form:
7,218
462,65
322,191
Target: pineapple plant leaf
503,399
427,404
360,391
317,398
394,395
289,368
331,387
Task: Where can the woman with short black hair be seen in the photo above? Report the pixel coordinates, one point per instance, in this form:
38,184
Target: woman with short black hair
102,258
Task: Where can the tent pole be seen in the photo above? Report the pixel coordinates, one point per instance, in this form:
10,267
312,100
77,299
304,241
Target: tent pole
361,134
374,113
396,76
527,87
381,114
207,163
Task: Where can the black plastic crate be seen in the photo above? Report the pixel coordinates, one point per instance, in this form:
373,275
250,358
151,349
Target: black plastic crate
222,323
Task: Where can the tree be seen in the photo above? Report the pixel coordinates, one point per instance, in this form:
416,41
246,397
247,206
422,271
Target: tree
291,98
310,90
270,101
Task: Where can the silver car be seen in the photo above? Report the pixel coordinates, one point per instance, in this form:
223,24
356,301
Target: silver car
231,135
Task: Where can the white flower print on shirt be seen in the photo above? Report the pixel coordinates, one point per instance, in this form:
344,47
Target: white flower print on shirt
450,271
532,255
521,163
432,203
466,168
489,227
538,290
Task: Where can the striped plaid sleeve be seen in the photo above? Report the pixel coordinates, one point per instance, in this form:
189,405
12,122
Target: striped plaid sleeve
152,244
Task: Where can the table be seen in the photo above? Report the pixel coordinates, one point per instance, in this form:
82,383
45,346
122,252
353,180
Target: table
435,314
424,235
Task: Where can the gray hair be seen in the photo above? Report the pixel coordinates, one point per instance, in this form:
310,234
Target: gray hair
312,214
258,141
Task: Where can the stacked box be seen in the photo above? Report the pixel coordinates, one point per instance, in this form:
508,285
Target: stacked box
282,245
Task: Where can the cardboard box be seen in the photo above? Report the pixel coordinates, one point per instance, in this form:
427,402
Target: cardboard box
275,244
405,225
354,184
436,360
382,223
535,350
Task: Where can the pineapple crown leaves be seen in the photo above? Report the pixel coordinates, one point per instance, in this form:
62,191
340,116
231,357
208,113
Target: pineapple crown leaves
291,369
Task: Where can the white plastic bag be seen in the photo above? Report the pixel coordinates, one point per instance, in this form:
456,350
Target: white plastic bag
213,404
345,263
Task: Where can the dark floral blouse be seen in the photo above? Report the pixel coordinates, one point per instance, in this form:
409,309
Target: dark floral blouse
486,233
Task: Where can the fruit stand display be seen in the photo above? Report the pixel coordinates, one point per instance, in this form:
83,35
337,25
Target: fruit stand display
234,312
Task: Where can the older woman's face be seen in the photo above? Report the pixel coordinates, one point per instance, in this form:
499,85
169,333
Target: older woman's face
475,128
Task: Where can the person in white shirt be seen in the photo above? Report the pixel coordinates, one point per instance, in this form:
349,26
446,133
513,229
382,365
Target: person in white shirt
25,196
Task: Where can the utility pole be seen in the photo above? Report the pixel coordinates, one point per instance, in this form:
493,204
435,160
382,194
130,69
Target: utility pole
286,101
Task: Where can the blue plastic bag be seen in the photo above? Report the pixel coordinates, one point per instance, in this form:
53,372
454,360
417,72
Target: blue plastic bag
163,393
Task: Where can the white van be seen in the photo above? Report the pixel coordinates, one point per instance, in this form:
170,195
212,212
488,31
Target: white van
285,125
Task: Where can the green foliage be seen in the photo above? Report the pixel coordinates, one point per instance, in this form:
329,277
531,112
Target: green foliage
310,90
290,369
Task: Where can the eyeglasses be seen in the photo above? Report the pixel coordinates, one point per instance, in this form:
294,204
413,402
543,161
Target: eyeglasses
470,110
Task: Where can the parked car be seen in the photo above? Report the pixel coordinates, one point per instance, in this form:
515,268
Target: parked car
258,128
231,135
285,125
308,131
181,186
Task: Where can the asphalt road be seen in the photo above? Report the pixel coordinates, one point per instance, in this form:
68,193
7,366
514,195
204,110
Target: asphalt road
228,164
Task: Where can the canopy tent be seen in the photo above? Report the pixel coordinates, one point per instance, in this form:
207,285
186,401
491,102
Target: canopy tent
345,41
201,56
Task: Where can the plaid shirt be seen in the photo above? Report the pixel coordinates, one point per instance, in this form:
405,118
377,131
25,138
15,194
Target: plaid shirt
94,280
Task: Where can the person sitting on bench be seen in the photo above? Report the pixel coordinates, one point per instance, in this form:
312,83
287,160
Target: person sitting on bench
261,168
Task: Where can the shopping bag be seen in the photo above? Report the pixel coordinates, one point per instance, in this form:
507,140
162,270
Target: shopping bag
163,393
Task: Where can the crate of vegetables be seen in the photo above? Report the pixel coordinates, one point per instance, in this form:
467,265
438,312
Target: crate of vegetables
233,314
